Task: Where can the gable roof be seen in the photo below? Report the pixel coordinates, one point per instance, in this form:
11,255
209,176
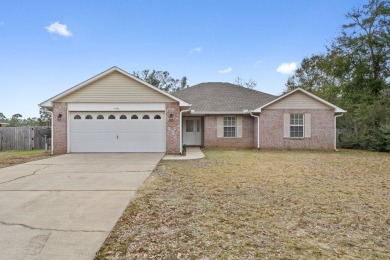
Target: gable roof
336,108
49,103
219,97
3,122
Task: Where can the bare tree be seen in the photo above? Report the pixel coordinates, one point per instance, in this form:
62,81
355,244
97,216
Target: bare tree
251,84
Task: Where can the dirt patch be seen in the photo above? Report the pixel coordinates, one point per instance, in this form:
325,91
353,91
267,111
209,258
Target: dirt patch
9,158
268,204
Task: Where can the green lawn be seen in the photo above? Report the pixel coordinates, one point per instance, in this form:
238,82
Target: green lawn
9,158
248,204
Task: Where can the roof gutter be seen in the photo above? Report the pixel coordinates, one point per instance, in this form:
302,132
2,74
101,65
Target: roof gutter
258,129
181,134
335,131
194,112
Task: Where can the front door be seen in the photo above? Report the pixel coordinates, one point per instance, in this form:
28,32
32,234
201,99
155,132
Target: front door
192,131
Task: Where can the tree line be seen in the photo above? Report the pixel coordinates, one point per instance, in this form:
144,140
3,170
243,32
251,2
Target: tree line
17,119
354,73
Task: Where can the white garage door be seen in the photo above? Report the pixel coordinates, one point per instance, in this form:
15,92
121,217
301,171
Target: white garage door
117,132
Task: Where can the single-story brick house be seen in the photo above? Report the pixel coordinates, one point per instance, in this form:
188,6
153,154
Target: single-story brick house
117,112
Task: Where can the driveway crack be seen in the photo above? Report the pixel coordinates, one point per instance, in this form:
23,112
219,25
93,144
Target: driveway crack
24,176
49,229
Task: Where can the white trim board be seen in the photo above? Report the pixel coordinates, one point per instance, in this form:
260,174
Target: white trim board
116,106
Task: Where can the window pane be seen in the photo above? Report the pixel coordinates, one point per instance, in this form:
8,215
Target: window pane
145,117
134,117
123,117
189,126
296,131
300,119
157,117
88,117
292,131
198,126
296,119
229,121
77,117
100,117
229,131
292,119
111,117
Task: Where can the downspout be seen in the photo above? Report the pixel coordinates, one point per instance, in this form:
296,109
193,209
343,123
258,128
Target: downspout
181,136
258,129
335,132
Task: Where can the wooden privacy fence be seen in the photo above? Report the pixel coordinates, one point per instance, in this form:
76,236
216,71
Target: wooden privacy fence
21,138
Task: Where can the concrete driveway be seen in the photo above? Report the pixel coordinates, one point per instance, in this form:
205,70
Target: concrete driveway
64,207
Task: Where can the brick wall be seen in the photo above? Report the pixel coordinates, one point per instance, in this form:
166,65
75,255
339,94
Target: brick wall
211,139
172,128
272,127
60,128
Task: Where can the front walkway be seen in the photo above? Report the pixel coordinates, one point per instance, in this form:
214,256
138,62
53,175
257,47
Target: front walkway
191,154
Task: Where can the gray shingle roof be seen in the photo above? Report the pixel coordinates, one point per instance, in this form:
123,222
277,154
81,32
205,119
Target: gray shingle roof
223,97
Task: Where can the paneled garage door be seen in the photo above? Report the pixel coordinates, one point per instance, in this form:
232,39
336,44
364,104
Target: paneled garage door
117,132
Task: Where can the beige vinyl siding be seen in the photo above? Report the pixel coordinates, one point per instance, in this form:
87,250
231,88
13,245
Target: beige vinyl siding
298,100
116,87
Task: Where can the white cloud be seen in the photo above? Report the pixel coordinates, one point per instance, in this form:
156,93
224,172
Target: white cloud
287,68
197,49
227,70
58,28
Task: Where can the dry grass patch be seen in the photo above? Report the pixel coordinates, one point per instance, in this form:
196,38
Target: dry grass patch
243,204
9,158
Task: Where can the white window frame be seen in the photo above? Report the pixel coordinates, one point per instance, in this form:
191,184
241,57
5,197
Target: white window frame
295,124
225,118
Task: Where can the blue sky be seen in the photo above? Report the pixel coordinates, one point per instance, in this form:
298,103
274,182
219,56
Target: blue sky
47,47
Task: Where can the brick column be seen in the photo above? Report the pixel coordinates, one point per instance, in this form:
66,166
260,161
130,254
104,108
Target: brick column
172,128
60,128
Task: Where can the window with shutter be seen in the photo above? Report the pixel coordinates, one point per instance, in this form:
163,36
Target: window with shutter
296,125
229,126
